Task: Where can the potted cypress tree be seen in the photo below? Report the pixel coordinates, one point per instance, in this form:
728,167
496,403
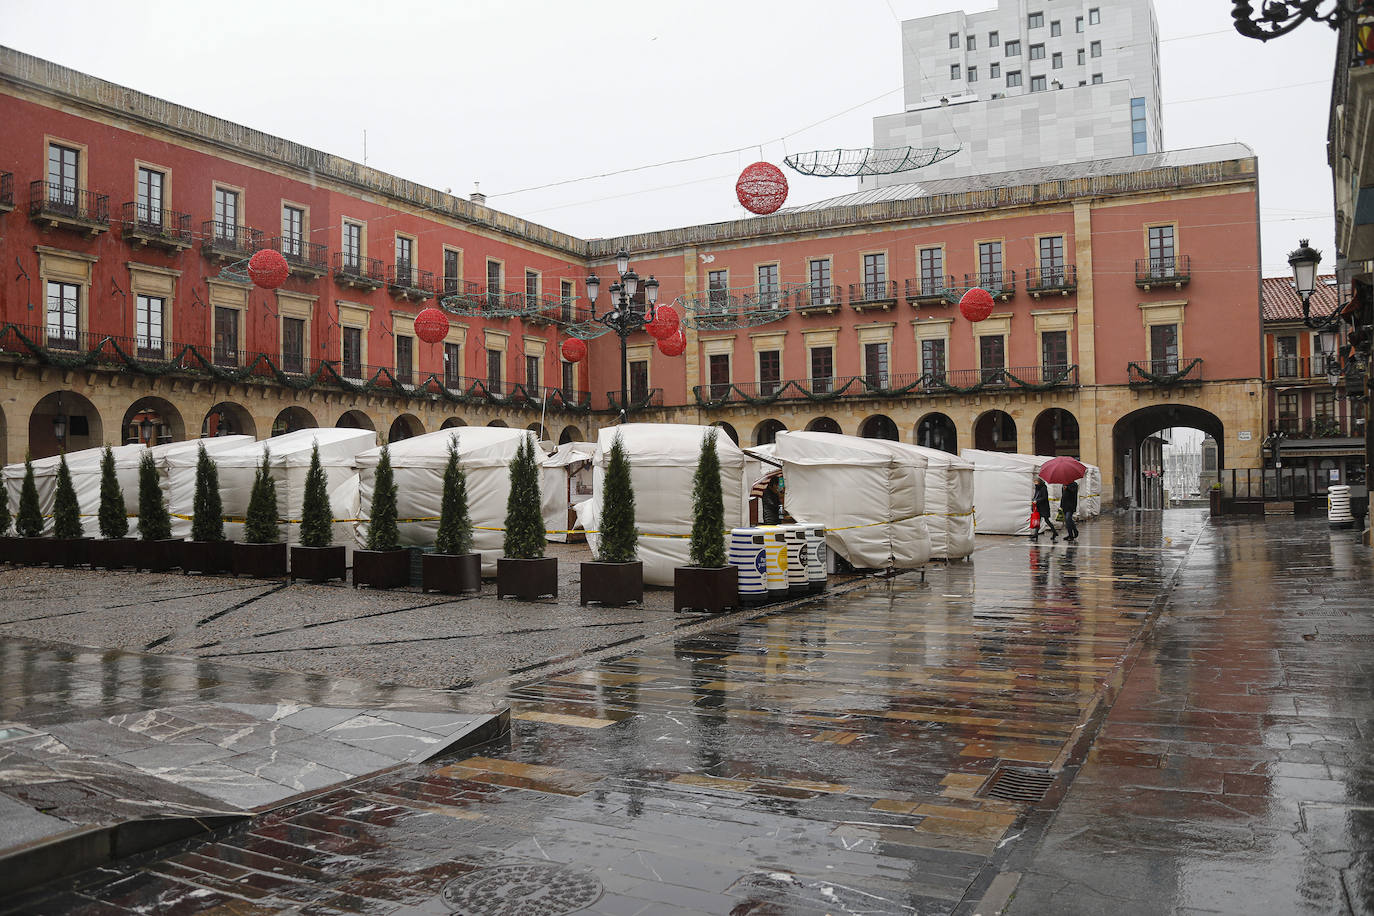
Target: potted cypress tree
160,551
114,548
384,564
453,568
261,555
524,572
316,558
616,577
207,551
6,542
70,545
710,583
28,522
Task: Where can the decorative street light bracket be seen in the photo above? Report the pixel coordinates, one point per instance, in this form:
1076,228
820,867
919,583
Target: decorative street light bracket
622,317
1279,17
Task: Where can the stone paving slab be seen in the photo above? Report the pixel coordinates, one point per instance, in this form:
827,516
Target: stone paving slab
820,759
103,737
1235,772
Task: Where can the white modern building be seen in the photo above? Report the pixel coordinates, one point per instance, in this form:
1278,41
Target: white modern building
1030,83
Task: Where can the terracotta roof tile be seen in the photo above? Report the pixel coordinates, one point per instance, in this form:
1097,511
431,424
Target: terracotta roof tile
1281,302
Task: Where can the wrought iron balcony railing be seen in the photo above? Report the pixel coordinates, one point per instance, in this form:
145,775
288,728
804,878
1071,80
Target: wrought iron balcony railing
1301,367
1164,372
1001,283
1062,279
928,290
873,294
68,207
151,226
6,192
886,385
1174,270
1317,427
229,240
305,258
355,270
637,400
409,281
815,297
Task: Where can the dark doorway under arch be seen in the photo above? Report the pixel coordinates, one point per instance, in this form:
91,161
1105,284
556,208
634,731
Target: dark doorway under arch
355,419
151,421
292,419
823,425
1056,433
228,419
728,430
766,433
880,426
995,431
935,430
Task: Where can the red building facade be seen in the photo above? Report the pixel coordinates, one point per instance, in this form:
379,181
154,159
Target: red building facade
1126,298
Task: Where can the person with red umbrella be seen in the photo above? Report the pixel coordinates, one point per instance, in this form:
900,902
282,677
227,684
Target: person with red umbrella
1066,471
1041,499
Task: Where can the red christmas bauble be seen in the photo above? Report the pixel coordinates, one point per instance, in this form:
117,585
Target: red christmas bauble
574,350
761,188
674,345
431,325
664,324
976,304
268,269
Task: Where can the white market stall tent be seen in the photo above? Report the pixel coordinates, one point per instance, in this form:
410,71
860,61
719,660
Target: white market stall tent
870,494
663,461
84,466
179,489
949,503
1003,484
289,462
568,479
418,463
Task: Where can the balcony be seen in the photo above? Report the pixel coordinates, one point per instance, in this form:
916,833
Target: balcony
541,310
1050,281
1172,271
306,259
955,381
722,309
874,294
1164,373
814,298
6,192
928,290
1317,428
228,241
358,272
641,400
1300,368
407,282
1001,283
167,229
68,208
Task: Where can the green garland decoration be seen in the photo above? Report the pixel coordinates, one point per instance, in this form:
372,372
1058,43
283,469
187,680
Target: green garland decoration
191,359
1166,378
928,383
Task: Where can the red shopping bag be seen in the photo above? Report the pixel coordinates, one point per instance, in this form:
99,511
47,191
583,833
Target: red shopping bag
1035,519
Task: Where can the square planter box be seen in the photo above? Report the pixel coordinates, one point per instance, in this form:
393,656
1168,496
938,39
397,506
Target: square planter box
71,551
114,553
159,555
527,579
705,588
451,574
381,568
319,564
261,561
613,584
209,557
39,551
14,550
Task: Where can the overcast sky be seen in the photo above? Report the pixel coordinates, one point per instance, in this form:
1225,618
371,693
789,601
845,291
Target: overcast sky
519,95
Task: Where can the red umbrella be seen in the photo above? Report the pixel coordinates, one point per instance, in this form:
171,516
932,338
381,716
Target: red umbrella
1062,470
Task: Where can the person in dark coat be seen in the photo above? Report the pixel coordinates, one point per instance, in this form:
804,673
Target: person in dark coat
1042,505
1068,501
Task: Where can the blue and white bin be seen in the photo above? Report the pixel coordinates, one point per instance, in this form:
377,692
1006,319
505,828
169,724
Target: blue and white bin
760,555
798,583
816,558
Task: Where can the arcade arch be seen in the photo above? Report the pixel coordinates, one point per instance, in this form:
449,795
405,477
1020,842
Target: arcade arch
823,425
1055,433
880,426
404,427
936,430
995,431
355,419
151,421
228,419
292,419
766,433
64,421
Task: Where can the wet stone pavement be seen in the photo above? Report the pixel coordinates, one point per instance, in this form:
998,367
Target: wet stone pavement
838,757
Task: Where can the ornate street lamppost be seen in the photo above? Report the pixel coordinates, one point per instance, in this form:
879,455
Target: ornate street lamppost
621,317
1304,262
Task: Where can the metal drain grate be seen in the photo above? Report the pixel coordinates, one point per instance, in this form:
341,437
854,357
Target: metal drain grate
521,890
1020,784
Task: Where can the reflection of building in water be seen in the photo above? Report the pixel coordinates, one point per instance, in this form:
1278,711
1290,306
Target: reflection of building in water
1183,465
